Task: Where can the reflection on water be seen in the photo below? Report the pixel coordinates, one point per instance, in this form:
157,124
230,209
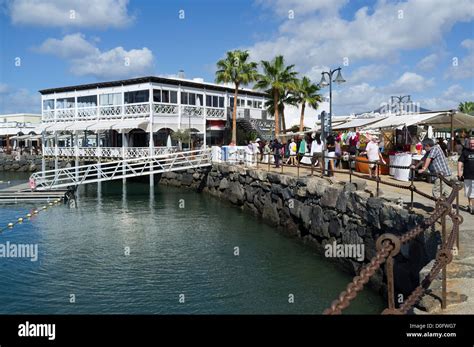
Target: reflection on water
173,251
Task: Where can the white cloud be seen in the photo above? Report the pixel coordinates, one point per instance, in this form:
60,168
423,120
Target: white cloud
367,73
378,35
408,83
463,68
18,100
302,7
87,59
428,63
70,13
449,99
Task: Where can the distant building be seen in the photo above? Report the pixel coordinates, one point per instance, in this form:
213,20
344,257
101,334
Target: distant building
19,129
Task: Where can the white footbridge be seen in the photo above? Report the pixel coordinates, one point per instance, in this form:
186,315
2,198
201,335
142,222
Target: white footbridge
120,169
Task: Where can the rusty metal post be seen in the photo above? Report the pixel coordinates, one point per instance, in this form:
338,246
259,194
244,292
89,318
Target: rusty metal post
297,168
377,177
350,169
441,195
390,282
443,244
457,214
412,186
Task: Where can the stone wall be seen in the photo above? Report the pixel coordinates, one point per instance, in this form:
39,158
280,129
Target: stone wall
319,212
27,163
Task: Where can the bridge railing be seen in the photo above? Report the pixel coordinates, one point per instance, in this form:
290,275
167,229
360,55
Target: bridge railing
97,172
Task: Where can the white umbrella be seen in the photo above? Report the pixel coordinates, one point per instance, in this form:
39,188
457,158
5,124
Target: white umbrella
168,141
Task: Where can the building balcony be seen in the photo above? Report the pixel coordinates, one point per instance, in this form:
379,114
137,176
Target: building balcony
106,152
127,111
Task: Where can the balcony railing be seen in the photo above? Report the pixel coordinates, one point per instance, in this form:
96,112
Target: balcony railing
107,152
165,109
192,111
215,113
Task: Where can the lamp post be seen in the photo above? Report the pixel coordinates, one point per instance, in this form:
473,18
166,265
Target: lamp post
400,100
325,83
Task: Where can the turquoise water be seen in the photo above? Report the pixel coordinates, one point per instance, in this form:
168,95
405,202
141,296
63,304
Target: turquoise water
174,250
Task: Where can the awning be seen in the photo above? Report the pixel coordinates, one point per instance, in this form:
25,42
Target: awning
9,131
129,124
103,125
80,125
357,123
216,127
402,120
442,120
42,127
59,126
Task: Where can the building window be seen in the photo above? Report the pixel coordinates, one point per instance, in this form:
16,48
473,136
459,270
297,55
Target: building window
110,99
136,96
214,101
166,96
257,104
87,101
192,99
249,103
65,103
48,104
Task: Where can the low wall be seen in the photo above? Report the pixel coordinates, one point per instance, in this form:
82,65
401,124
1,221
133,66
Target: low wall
320,213
27,163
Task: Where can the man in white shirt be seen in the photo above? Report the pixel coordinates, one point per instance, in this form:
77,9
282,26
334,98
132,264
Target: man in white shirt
373,154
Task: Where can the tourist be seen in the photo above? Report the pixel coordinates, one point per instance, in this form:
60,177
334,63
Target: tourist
466,173
302,149
259,144
436,162
443,146
317,147
266,153
293,148
276,148
372,151
331,148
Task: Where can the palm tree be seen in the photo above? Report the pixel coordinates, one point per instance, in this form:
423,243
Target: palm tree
285,99
235,68
466,107
277,78
305,92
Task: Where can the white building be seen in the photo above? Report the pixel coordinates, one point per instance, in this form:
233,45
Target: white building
19,129
134,117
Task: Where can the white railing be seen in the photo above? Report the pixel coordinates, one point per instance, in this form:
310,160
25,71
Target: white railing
165,109
65,114
192,111
48,115
215,112
108,152
137,109
73,176
110,112
88,113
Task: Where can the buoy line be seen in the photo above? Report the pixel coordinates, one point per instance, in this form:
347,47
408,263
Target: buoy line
28,216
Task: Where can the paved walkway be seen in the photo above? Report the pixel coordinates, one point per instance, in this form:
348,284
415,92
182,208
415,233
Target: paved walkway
461,270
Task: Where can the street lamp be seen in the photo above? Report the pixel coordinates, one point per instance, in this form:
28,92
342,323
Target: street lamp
400,100
324,82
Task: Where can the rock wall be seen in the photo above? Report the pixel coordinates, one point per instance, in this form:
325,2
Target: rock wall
27,163
320,213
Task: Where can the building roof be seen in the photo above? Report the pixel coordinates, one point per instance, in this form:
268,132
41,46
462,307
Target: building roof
155,79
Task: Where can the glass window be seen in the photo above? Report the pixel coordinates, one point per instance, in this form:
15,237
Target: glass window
184,98
199,99
231,102
136,96
221,101
48,104
208,101
215,101
110,99
192,99
156,95
65,103
165,96
249,103
87,101
174,97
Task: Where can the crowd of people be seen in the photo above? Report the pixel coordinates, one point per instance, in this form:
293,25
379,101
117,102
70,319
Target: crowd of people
21,150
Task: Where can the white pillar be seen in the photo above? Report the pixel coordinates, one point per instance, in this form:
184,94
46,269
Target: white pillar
151,142
43,148
76,154
56,153
124,145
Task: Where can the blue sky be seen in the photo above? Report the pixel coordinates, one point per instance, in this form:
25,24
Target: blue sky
424,48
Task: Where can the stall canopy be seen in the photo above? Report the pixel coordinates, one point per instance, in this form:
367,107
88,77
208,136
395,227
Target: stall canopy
402,120
358,123
444,120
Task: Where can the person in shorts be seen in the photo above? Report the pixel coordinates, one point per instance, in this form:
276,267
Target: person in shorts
466,173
